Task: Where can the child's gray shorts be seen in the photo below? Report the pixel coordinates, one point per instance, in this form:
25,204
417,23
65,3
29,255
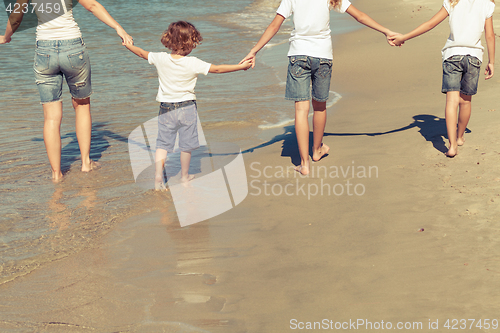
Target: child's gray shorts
179,118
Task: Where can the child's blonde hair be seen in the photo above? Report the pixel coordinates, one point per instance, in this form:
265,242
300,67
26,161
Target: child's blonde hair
181,37
454,2
335,4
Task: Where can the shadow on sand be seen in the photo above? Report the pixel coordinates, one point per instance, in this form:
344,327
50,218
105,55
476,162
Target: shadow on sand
432,129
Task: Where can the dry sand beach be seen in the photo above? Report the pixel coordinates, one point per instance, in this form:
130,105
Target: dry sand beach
413,239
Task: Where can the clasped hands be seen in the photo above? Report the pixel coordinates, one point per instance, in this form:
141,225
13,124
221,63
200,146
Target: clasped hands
395,39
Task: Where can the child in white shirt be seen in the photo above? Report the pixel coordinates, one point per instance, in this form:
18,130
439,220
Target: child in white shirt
462,57
310,62
177,74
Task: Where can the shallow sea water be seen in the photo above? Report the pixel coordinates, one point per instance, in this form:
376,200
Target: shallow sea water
40,221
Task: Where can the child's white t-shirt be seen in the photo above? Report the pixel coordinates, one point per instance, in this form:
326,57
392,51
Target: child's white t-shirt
311,20
467,20
177,76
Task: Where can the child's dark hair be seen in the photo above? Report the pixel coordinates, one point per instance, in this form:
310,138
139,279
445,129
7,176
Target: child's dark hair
181,37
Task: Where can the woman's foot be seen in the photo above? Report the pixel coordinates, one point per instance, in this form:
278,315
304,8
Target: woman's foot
460,141
93,165
57,177
320,153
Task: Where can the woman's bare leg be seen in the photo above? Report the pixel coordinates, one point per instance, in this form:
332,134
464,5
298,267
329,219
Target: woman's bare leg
83,125
52,113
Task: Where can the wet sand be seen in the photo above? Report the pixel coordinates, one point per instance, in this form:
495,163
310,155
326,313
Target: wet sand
415,241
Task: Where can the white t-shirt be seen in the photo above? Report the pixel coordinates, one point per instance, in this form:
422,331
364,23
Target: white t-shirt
177,76
55,20
466,27
311,20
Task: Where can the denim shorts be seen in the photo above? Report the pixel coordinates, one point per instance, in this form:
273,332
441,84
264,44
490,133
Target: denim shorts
57,58
304,70
179,118
461,73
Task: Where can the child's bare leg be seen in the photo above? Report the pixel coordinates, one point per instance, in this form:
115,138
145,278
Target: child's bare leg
83,125
185,161
319,123
52,113
302,132
160,157
452,101
465,107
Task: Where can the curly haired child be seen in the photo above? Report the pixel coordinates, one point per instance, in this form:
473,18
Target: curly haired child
177,74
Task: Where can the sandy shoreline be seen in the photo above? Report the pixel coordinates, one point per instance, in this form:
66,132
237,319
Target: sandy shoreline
275,258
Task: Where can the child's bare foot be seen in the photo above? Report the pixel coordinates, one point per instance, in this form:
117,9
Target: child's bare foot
303,169
320,153
460,141
93,165
452,152
160,187
188,178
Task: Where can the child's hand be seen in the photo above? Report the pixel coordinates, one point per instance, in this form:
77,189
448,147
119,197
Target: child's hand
126,38
4,40
249,57
396,40
391,37
128,43
246,64
490,69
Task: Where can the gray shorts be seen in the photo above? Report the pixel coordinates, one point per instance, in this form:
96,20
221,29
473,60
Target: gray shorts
179,118
461,73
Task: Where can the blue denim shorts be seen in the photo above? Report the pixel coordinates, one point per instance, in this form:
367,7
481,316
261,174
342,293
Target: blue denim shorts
304,70
57,58
178,117
461,73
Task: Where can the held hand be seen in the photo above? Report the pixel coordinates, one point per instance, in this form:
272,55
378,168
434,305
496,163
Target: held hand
397,40
246,64
4,40
389,36
127,43
490,69
126,38
249,57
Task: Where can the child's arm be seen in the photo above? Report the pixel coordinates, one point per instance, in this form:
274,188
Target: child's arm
490,43
137,51
219,69
271,30
371,23
423,28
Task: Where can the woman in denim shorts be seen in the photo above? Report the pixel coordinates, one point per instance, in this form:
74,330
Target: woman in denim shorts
61,53
310,65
